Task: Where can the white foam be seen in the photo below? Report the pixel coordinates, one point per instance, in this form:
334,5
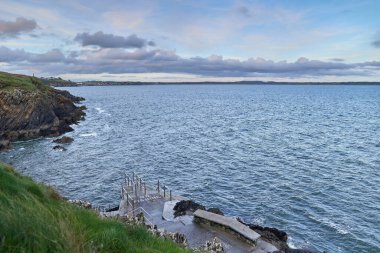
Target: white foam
341,229
291,243
100,110
93,134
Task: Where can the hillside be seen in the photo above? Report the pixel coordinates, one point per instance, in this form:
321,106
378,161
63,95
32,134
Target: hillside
29,109
34,218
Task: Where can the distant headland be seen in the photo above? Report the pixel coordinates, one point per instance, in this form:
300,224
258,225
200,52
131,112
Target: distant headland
59,82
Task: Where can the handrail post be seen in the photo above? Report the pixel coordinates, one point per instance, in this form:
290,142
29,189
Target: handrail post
136,190
164,191
144,189
158,186
170,195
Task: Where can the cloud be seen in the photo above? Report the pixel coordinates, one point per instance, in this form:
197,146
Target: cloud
376,43
337,59
8,55
121,61
104,40
15,28
244,11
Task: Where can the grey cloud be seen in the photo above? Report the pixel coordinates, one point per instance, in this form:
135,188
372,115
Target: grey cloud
54,55
9,55
244,11
104,40
337,59
19,55
117,61
376,43
15,28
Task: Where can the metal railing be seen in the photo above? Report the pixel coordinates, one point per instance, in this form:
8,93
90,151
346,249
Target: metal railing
144,211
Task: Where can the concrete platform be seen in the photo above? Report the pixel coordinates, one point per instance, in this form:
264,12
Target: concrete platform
229,222
158,210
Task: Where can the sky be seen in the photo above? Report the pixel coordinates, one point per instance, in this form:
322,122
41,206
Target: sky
185,40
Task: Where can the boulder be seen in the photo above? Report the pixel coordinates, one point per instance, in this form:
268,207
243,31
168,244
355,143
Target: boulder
59,148
184,207
64,140
5,145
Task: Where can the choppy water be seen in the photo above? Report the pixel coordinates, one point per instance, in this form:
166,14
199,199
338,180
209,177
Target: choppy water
305,159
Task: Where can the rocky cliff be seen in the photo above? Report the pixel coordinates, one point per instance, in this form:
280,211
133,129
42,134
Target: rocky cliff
29,109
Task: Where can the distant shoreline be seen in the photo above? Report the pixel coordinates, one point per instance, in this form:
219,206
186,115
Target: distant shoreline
55,83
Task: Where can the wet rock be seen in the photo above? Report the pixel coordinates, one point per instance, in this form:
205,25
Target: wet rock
214,246
59,148
5,145
215,210
184,207
64,140
276,237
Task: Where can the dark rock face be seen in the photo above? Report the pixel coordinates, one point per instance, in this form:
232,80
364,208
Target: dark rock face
185,207
112,209
64,140
276,237
30,114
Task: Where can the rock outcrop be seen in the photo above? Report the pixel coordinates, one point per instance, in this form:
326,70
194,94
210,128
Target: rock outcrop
186,207
64,140
276,237
28,111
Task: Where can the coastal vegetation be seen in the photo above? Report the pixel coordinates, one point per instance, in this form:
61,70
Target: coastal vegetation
35,218
12,81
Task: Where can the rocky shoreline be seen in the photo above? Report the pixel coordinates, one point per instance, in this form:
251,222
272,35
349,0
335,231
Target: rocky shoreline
43,111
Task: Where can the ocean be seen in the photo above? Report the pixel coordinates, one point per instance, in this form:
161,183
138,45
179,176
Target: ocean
301,158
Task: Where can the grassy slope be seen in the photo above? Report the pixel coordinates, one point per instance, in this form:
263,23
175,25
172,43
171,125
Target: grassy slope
9,81
33,218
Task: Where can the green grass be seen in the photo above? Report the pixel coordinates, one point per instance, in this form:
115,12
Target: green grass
9,81
34,218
